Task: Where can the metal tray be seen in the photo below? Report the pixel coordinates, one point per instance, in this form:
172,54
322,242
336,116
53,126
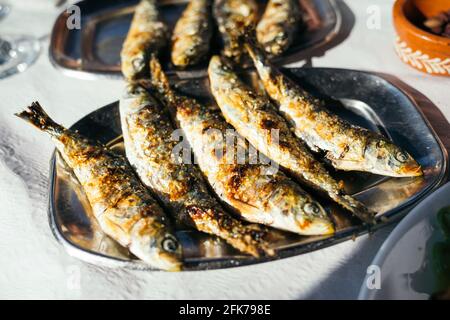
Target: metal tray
362,98
94,50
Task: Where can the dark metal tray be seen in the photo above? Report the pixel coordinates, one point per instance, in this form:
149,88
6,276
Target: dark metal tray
362,98
94,50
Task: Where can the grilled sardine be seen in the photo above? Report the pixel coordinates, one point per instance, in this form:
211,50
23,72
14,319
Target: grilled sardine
233,18
348,147
150,148
192,34
276,29
147,35
120,202
270,199
255,118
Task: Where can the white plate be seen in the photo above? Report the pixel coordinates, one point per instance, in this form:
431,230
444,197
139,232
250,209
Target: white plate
404,258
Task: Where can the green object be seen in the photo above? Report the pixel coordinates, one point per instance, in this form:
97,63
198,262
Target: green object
443,218
441,252
441,264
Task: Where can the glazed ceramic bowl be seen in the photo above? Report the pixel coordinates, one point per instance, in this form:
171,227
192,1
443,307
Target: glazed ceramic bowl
415,45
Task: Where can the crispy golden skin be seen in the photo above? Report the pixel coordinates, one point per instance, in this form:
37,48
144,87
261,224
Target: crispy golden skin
254,117
120,202
278,25
147,35
234,18
192,34
348,147
257,194
150,147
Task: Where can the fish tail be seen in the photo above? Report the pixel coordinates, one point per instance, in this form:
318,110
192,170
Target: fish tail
249,238
248,33
259,245
234,50
36,115
252,239
159,78
253,47
358,209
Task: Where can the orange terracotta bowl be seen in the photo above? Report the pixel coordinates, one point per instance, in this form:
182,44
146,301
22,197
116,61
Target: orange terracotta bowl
415,45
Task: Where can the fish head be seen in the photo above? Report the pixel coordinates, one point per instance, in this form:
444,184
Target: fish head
183,52
390,160
275,42
135,66
217,66
158,246
136,97
133,90
314,220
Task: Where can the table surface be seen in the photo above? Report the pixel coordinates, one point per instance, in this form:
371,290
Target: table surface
34,265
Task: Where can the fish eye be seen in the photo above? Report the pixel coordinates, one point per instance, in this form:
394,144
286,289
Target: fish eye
137,63
380,144
169,243
311,208
401,157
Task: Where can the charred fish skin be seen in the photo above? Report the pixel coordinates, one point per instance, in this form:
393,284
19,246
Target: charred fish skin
149,145
192,34
278,25
147,35
273,200
234,18
348,147
254,117
120,202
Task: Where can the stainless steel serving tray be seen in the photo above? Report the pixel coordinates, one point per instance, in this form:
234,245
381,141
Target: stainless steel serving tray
93,50
362,98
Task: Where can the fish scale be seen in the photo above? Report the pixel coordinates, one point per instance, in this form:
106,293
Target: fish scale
147,35
192,34
233,18
278,25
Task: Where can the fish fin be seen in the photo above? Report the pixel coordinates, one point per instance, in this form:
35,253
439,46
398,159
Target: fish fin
245,205
345,165
36,115
360,210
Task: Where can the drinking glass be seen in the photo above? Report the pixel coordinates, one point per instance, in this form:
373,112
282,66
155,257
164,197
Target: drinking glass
17,52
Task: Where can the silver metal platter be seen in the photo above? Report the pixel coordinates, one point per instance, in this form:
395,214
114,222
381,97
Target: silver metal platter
362,98
94,49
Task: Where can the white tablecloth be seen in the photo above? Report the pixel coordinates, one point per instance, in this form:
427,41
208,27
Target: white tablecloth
33,265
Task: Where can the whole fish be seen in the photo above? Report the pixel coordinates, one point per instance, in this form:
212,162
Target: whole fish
348,147
255,118
278,25
147,35
192,34
233,18
120,202
150,147
270,199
